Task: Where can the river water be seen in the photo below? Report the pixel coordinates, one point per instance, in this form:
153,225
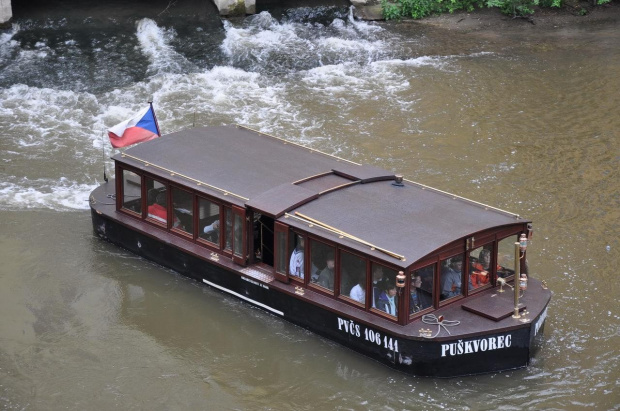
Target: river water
524,119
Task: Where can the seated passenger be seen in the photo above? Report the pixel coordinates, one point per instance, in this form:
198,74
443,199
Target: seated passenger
379,282
158,210
296,265
326,277
451,278
387,300
480,270
419,298
212,231
358,292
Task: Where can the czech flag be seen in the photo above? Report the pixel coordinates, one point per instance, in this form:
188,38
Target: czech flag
142,127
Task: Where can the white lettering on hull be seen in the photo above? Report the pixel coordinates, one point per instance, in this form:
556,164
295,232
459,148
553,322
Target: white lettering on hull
480,345
372,336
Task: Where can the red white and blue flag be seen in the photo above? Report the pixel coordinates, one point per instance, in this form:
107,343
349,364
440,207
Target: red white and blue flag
142,127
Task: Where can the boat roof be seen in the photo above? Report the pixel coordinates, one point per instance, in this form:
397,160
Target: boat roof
358,205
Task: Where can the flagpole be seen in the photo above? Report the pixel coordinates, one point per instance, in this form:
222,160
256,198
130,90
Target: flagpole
155,117
105,177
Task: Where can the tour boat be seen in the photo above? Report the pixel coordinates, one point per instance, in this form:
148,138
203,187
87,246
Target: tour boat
427,282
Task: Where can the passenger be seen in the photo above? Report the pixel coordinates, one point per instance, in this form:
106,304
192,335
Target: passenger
387,300
358,292
379,283
296,265
451,278
158,210
326,278
480,270
419,298
212,231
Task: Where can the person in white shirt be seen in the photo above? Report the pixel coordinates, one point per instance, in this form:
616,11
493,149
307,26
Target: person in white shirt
358,292
296,265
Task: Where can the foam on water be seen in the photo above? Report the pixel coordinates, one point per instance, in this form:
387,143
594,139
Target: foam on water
266,45
155,44
62,132
59,195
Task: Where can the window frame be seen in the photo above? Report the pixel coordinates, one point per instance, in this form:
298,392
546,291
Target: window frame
199,240
241,257
492,265
120,188
308,261
409,273
365,306
450,300
399,305
281,229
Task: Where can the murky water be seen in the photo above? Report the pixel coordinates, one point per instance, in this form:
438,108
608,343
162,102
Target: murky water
524,119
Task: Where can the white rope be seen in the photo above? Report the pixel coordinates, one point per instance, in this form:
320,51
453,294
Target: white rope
440,322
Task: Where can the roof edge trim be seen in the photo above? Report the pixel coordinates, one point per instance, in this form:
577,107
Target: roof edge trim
174,173
455,196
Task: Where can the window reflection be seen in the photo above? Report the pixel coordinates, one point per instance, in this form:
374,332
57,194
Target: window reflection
228,233
157,201
183,210
281,252
324,259
238,235
353,277
132,192
296,263
480,268
421,291
384,289
209,221
506,257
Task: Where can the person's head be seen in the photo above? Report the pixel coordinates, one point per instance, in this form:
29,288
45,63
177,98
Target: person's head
416,281
300,242
330,262
456,263
362,283
485,258
391,290
377,272
161,198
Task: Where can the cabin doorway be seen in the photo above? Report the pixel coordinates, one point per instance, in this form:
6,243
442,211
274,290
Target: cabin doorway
263,239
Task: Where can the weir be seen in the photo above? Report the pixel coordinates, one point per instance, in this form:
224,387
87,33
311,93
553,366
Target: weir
363,9
6,12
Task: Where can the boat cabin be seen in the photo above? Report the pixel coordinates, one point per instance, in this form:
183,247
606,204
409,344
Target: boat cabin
357,234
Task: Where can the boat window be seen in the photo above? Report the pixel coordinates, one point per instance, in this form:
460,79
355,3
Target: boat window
480,268
209,221
183,210
132,192
157,201
353,277
506,257
296,263
238,235
421,291
323,263
280,251
450,281
228,225
384,289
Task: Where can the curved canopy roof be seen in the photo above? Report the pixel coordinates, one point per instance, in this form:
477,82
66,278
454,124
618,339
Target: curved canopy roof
307,189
